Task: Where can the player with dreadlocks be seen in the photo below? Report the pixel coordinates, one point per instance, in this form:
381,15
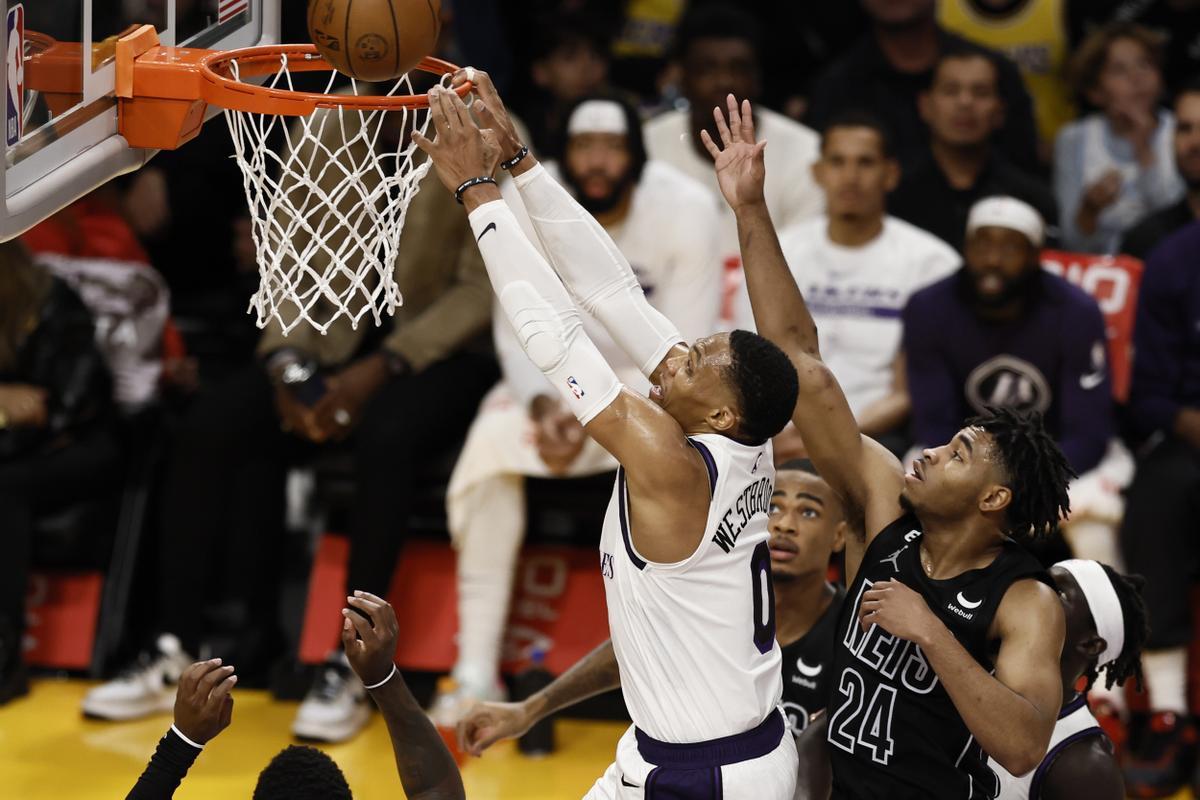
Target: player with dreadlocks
1106,628
949,641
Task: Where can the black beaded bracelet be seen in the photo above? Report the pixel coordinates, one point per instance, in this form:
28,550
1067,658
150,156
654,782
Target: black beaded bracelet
512,162
458,193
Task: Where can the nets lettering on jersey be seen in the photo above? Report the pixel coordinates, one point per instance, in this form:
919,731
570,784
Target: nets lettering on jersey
328,194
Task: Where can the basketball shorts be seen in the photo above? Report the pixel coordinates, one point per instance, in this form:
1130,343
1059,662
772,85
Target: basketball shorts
759,764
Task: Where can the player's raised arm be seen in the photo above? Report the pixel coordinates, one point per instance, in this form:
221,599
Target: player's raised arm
647,441
856,466
585,257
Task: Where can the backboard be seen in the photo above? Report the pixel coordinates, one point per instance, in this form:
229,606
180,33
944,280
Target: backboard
60,134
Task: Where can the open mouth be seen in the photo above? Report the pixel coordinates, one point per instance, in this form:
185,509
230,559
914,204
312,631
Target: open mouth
918,469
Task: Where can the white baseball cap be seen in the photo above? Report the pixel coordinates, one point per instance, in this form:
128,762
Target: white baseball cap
1008,212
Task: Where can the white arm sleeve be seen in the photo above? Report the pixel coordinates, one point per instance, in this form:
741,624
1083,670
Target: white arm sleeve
595,271
541,313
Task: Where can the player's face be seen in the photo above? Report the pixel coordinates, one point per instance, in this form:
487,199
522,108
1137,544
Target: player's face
898,13
712,70
1130,81
1082,644
999,263
598,166
806,524
1080,626
963,105
954,479
1187,138
694,387
854,173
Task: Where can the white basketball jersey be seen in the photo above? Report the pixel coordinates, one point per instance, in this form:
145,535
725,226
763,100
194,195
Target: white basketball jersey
695,640
1074,723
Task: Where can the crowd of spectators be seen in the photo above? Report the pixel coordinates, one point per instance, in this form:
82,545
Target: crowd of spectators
922,156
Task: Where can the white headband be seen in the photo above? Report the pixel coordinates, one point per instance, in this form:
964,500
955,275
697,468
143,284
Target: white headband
1008,212
1103,602
598,116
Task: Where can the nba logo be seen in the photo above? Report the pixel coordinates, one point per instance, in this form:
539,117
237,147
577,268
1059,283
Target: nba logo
14,117
575,388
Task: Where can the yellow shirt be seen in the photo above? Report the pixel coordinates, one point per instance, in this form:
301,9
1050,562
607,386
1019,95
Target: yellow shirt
649,26
1034,35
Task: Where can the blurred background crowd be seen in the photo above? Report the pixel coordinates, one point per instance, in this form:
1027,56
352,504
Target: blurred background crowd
149,430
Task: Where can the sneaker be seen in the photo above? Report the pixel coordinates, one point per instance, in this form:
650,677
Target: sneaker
335,708
143,688
1163,761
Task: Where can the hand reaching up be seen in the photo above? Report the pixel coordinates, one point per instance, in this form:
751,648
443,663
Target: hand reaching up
370,637
203,705
741,171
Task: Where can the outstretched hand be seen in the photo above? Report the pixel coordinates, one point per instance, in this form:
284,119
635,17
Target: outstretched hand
741,171
370,637
203,705
461,150
490,109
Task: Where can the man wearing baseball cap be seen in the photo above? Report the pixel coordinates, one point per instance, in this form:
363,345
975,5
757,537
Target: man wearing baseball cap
1003,332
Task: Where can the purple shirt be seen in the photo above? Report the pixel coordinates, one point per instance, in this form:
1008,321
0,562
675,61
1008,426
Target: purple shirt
1166,365
1051,359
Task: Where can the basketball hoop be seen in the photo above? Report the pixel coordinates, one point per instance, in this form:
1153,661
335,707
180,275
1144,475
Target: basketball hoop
326,210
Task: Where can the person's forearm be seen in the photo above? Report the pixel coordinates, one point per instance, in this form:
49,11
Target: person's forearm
1187,426
426,768
595,673
595,272
1007,726
170,763
780,313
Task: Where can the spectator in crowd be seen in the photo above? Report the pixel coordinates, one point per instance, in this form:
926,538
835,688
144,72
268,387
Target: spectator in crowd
809,524
398,403
203,708
857,268
964,111
665,223
1114,166
718,49
1034,35
1152,229
1024,339
58,441
1159,533
572,62
893,63
1177,22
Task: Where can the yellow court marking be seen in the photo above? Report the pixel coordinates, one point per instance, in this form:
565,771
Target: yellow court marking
47,750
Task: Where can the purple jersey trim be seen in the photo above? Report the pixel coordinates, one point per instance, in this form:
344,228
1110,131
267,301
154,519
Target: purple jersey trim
709,463
693,756
622,503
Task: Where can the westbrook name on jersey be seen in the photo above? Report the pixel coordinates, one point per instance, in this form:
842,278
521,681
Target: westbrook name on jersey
893,730
695,640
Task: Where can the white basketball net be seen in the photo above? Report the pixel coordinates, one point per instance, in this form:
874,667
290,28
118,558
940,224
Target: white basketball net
327,202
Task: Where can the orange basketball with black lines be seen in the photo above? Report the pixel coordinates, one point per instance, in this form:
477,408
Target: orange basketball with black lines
374,40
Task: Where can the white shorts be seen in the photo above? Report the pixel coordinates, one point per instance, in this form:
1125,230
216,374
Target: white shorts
768,777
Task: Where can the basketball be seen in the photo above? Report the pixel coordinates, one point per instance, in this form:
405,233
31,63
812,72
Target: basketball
374,40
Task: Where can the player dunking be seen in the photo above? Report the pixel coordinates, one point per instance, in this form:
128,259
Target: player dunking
950,638
683,550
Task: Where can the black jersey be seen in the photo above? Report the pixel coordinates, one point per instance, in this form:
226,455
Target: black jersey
894,733
806,667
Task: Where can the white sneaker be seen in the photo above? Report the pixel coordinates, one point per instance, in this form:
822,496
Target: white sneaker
143,688
335,708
